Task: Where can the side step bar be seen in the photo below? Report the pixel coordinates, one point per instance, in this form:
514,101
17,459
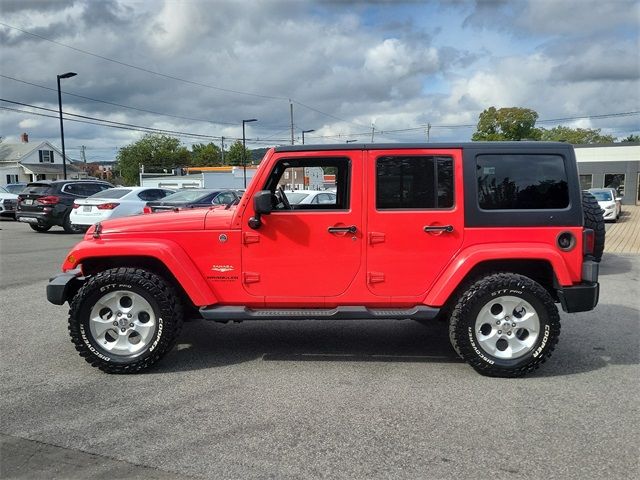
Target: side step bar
238,313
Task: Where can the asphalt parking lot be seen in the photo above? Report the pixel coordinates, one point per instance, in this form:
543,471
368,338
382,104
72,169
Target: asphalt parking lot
291,400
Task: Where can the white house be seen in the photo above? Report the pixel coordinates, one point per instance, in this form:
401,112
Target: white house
30,161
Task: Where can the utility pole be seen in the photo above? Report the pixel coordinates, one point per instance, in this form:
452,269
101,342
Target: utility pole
428,131
82,155
291,110
373,129
222,153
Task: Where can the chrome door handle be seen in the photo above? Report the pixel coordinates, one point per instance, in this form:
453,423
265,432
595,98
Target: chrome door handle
438,228
350,229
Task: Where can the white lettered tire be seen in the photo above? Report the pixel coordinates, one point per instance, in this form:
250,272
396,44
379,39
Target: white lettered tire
124,320
505,325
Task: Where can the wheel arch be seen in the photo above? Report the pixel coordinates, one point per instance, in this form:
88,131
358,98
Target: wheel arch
93,265
166,259
543,266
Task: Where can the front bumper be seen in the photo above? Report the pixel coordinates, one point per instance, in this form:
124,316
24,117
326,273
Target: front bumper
64,286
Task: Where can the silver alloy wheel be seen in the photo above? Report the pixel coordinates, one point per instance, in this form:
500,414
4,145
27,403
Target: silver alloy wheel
122,323
507,327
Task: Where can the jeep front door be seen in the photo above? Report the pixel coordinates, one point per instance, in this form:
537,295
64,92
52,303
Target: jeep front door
304,252
415,218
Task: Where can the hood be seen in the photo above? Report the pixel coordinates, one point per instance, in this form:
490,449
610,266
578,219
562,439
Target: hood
182,220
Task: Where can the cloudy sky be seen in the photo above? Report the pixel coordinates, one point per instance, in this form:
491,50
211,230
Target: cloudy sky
200,67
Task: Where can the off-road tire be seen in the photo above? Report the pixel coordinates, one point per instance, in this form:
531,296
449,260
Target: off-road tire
159,294
70,227
594,219
478,296
40,228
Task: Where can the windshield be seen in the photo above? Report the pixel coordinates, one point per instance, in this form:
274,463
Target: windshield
296,197
186,196
2,189
111,193
602,196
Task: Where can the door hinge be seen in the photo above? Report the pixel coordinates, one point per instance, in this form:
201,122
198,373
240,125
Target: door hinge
250,277
376,237
249,237
375,277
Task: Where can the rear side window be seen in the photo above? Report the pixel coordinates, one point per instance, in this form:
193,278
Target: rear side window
84,189
414,182
521,182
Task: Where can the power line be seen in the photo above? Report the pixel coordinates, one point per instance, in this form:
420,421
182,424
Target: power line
121,105
173,77
126,126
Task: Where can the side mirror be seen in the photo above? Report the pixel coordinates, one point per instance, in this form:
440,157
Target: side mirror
262,202
262,206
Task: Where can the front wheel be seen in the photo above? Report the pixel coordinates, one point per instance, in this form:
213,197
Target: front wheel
505,325
124,320
40,228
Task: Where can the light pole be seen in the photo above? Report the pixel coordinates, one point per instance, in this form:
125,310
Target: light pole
244,150
306,131
64,156
351,141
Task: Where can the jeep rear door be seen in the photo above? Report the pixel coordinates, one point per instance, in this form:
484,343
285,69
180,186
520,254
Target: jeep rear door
414,218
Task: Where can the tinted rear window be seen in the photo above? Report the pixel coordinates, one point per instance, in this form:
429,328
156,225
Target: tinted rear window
112,193
38,189
521,182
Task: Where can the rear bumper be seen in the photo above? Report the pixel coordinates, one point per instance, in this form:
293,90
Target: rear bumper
579,298
582,297
64,286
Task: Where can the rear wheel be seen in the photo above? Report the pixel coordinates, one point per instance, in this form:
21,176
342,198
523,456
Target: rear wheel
505,325
40,228
70,227
593,219
124,320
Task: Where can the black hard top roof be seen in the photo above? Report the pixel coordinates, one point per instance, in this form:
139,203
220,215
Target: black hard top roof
399,146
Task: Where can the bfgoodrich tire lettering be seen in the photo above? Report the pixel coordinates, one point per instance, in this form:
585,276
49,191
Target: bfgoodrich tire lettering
497,347
124,320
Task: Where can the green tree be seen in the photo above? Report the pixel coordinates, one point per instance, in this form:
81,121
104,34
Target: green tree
514,123
156,152
631,139
205,155
235,154
575,136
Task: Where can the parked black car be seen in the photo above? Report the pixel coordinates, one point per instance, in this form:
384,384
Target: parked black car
44,204
192,198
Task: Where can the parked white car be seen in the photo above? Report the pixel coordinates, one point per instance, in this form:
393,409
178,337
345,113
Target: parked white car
8,203
113,203
311,197
609,202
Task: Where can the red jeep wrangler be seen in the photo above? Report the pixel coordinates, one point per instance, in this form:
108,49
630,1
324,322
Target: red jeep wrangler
487,235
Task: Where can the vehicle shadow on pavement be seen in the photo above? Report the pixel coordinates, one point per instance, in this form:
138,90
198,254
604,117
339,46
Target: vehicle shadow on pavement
208,345
587,344
584,345
613,264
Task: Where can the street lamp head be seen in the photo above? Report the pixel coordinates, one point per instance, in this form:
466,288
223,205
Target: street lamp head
308,131
68,75
250,120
